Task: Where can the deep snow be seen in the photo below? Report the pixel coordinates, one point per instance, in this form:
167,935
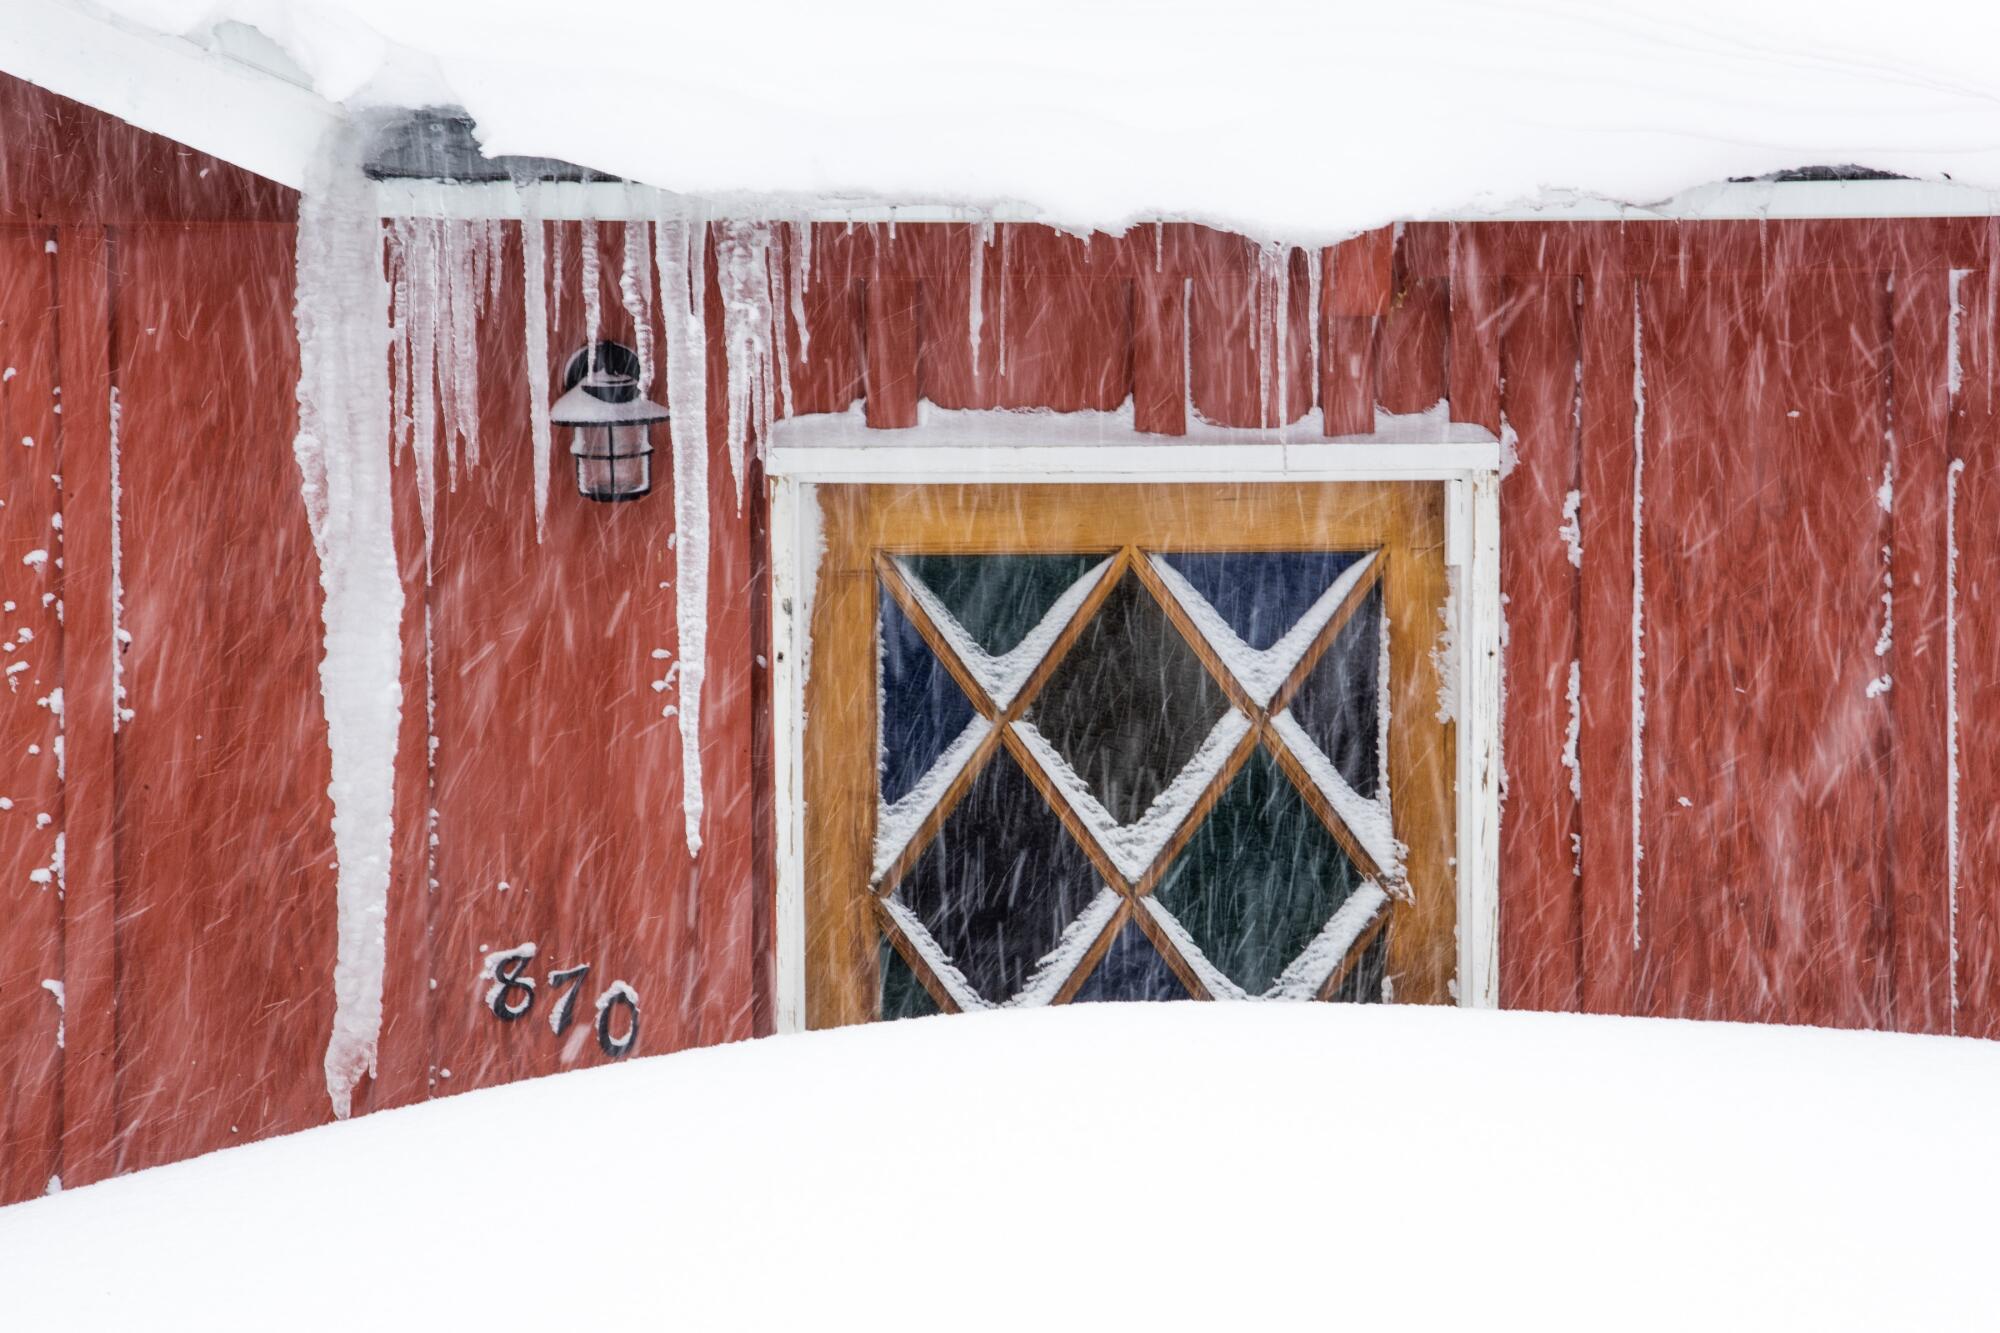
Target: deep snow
1288,119
1170,1166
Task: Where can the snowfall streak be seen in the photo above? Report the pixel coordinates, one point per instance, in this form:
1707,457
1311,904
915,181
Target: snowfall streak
1799,850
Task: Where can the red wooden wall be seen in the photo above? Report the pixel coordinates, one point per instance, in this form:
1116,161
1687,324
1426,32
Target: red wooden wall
1795,824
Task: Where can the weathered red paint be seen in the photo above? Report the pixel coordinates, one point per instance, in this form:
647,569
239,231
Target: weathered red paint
1797,849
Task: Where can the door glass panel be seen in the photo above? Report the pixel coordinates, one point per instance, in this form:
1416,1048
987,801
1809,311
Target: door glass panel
999,883
1132,969
1259,879
1129,704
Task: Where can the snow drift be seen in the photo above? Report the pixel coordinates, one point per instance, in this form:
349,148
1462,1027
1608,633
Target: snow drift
1214,1166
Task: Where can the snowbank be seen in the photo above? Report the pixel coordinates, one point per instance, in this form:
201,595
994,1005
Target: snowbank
1114,1167
1287,119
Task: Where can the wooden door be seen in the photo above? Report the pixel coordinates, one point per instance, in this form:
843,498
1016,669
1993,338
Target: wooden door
1075,743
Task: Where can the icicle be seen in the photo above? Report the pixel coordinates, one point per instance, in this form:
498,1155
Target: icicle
495,246
1638,601
1314,267
535,311
1006,254
801,256
468,290
680,244
399,331
558,265
1951,706
444,258
743,271
635,294
593,290
423,375
774,279
976,315
1258,335
342,314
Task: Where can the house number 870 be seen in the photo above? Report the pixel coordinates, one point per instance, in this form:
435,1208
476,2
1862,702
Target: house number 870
510,994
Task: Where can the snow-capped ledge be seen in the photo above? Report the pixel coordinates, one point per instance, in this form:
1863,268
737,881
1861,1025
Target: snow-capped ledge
951,444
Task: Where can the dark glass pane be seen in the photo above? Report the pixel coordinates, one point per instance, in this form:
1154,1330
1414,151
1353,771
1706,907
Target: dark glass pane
1337,701
1000,882
1132,969
923,710
1259,878
1261,594
1363,982
1129,704
999,598
903,995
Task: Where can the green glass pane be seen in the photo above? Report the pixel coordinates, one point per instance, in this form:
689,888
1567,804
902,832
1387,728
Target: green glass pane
903,995
1363,982
999,598
1259,878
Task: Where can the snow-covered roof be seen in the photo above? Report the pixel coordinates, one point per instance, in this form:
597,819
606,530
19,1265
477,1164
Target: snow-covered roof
1290,119
1214,1166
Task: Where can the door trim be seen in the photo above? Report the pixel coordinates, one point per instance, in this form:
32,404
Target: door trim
1472,557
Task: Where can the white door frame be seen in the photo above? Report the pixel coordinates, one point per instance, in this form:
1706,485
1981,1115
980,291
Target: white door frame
1470,472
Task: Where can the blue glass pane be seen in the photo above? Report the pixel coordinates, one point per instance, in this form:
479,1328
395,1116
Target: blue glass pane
1000,882
1261,594
999,598
923,710
1338,700
1132,969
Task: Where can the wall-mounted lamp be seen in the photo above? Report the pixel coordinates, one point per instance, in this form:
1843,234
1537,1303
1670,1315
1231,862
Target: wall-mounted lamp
613,422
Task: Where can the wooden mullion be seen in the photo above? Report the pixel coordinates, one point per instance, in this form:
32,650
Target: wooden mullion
900,942
1317,802
1079,832
1094,955
1342,614
1169,951
934,820
1361,945
1203,649
1059,649
892,578
1198,812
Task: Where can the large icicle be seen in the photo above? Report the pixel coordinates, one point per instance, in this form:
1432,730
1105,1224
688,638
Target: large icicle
343,450
535,303
679,243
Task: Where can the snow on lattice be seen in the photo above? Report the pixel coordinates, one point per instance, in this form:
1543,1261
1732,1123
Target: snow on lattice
343,450
1218,985
1132,847
1057,965
1309,971
1002,677
1368,820
1260,671
934,956
897,822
